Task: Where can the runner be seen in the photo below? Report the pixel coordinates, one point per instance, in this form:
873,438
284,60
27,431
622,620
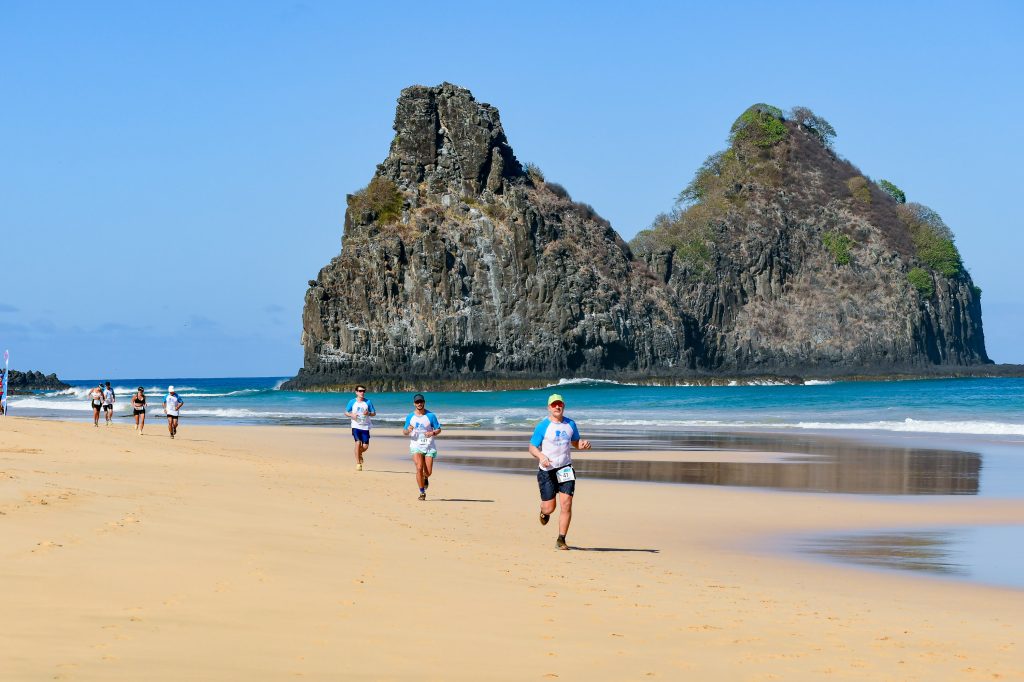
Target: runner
172,404
96,400
551,445
108,403
422,425
359,410
139,409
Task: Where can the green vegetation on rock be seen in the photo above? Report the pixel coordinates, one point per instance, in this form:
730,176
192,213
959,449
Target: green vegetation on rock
684,233
379,201
859,189
933,240
893,191
761,125
839,245
922,281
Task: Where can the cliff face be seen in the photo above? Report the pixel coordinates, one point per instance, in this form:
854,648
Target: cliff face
460,267
784,258
481,274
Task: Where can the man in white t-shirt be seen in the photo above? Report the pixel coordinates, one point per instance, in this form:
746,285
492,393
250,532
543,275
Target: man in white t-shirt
172,405
551,445
108,403
359,410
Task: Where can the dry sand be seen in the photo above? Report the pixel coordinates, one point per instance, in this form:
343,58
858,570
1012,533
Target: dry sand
238,553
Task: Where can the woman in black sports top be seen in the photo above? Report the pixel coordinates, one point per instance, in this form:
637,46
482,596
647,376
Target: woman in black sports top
139,409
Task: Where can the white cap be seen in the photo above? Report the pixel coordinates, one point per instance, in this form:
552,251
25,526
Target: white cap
170,389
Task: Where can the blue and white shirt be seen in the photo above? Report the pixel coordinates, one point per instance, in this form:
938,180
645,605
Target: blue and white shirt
555,440
362,409
421,423
172,403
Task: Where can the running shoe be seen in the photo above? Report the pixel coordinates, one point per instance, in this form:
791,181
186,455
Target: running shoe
359,467
560,543
544,518
422,497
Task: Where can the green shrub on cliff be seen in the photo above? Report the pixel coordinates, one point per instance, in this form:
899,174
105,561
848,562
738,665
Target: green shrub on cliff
933,240
859,189
839,245
761,125
718,171
893,191
922,281
379,201
683,232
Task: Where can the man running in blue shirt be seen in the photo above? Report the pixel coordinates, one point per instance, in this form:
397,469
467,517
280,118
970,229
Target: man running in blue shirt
551,445
359,410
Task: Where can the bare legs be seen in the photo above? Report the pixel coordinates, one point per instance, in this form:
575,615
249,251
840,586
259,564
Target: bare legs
172,425
360,448
421,468
564,516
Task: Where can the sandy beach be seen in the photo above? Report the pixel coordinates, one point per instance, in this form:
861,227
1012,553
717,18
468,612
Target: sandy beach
259,553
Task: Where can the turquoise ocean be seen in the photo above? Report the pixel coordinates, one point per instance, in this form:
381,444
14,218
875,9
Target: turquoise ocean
991,408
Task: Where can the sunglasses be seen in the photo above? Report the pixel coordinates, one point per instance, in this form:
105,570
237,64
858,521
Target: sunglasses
360,390
418,402
557,404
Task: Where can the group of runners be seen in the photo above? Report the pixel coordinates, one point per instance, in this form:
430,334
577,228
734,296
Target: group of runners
103,398
551,445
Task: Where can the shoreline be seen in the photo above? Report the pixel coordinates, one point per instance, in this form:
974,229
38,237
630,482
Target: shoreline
262,553
793,377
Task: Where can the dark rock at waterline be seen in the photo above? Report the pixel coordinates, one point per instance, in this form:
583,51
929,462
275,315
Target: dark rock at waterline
461,268
24,382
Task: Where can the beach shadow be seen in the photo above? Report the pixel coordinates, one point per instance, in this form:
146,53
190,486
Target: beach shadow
457,499
387,471
614,549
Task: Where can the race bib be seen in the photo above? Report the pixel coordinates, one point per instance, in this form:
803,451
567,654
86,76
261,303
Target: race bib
565,474
422,440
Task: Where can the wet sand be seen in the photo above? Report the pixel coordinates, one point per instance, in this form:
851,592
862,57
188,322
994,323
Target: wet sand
259,553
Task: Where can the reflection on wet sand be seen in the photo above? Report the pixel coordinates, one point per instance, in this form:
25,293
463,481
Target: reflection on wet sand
984,554
930,551
810,464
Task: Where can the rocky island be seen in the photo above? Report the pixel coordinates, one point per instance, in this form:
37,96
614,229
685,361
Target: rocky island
26,382
462,268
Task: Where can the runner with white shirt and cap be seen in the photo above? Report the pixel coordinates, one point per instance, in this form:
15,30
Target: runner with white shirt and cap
359,410
172,403
422,425
551,445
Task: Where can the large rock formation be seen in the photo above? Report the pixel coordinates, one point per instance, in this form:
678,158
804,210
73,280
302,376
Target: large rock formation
461,268
785,258
26,382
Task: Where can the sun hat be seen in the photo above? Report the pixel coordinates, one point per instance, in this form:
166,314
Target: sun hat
170,389
555,398
418,397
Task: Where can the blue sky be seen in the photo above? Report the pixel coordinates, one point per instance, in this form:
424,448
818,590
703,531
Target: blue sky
174,173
